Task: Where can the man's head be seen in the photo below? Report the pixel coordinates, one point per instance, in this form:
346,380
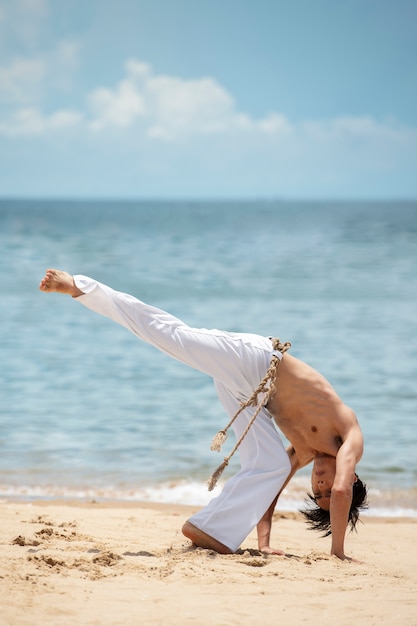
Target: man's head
322,478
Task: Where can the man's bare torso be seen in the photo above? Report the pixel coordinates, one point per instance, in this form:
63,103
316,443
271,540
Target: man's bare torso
308,411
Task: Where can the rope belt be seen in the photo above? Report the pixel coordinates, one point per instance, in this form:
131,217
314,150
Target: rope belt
218,440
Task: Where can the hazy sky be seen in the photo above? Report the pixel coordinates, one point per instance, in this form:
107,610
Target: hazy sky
208,98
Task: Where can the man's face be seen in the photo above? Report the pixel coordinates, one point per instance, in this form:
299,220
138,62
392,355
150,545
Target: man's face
322,479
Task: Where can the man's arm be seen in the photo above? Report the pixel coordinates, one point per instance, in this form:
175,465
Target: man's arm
264,525
347,457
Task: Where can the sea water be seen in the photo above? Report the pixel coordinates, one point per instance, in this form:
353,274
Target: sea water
88,411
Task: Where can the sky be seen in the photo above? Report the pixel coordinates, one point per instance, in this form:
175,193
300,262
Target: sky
131,99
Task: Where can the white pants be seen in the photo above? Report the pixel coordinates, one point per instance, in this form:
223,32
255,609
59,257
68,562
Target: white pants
237,362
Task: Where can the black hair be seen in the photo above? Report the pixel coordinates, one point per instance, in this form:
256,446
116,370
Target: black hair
319,519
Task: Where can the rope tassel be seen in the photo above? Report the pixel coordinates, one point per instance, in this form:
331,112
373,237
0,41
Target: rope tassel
216,474
218,440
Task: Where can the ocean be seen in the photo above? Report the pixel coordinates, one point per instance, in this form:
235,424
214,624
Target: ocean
89,412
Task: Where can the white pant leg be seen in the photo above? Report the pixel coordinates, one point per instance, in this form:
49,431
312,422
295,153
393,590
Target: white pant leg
226,357
245,497
237,362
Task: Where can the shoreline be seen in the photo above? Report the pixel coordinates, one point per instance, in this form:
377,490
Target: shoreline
114,563
185,509
384,509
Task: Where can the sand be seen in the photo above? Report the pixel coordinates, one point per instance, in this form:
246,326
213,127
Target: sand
128,564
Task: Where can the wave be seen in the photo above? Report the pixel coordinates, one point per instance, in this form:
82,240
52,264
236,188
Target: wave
383,503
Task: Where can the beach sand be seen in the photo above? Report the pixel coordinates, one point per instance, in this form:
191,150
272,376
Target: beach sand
128,564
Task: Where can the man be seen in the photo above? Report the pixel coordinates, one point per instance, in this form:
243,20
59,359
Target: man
252,371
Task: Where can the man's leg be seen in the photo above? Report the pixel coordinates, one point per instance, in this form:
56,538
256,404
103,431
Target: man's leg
246,496
222,355
203,540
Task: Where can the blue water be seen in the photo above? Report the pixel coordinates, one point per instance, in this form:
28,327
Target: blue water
89,411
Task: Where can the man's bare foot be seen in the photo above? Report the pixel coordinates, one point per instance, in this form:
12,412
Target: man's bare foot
61,282
268,550
202,540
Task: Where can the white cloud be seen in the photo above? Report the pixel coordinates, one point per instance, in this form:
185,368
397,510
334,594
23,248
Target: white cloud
64,119
20,81
62,64
29,80
174,108
30,121
34,6
137,69
193,106
68,52
355,128
359,142
275,124
25,21
116,108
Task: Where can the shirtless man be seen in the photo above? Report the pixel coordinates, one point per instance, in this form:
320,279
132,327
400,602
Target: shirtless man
305,407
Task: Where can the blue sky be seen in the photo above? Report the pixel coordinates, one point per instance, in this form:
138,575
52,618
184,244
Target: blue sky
208,98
